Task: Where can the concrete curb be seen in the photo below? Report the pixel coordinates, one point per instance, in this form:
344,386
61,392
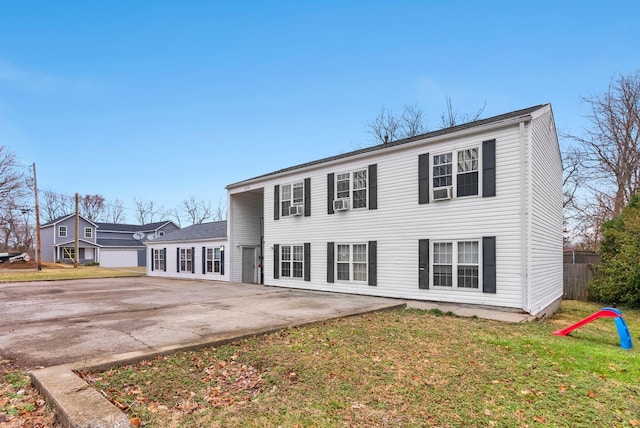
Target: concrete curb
78,405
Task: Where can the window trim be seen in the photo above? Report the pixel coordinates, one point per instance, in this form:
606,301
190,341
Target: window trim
158,259
186,262
455,172
210,260
290,262
62,234
352,190
351,262
291,200
455,264
88,235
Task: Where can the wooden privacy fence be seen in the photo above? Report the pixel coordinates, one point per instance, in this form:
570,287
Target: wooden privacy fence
575,278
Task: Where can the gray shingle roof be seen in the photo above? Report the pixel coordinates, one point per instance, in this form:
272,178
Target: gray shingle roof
120,243
431,134
149,227
213,230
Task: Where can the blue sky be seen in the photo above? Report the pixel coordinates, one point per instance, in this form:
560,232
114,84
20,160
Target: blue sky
164,100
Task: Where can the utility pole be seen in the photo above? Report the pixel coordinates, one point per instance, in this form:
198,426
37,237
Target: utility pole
38,247
75,255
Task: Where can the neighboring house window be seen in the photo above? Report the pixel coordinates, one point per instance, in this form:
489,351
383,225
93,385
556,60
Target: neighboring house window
158,259
456,264
213,260
62,231
457,171
291,261
351,262
291,195
186,260
161,233
68,253
353,185
88,232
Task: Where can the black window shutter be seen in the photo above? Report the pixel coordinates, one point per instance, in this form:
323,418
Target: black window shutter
221,262
193,259
330,192
178,259
204,260
164,258
276,261
423,178
307,197
330,257
373,186
489,264
373,263
276,202
307,261
153,252
489,168
423,263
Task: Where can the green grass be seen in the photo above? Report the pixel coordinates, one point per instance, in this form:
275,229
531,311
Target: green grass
406,368
67,272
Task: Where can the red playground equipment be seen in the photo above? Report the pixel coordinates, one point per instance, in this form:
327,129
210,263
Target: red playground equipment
621,326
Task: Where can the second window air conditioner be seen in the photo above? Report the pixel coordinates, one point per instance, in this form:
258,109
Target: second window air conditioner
341,204
442,193
296,210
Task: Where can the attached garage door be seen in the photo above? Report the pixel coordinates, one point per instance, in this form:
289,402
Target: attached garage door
118,258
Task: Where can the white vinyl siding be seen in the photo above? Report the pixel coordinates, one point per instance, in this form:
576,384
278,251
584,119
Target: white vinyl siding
201,266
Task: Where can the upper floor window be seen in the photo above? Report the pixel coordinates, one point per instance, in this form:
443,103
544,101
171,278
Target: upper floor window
354,186
291,195
88,232
455,173
62,231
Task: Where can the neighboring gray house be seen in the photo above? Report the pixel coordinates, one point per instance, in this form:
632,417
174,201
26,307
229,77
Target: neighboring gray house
197,251
470,215
109,244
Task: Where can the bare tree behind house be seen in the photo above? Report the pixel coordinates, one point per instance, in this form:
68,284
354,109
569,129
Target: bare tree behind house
147,211
54,205
11,178
452,117
115,212
385,126
606,158
92,207
220,213
197,212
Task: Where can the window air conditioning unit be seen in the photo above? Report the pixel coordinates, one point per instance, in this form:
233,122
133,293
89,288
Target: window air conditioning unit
296,210
341,204
442,193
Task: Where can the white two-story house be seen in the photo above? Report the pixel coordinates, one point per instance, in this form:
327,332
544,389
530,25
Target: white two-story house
470,214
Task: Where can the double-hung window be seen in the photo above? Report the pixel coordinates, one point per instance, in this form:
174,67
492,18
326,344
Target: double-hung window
186,260
291,195
456,173
158,259
213,260
88,232
62,231
351,262
456,264
353,185
291,261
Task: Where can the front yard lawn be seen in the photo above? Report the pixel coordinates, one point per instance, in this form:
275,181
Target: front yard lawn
396,368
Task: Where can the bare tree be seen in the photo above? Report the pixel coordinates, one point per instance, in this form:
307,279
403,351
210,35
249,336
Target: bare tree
11,179
54,205
220,213
611,145
91,207
146,211
386,126
197,212
115,212
452,117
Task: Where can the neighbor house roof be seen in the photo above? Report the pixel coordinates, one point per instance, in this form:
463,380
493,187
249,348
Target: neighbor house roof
478,123
213,230
64,217
120,243
116,227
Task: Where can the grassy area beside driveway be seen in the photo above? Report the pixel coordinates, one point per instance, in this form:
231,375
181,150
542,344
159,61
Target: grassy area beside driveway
395,368
52,271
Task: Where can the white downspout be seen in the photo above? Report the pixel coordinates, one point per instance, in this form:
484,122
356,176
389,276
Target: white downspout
524,259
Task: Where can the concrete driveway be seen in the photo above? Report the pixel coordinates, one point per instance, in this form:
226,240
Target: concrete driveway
51,323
